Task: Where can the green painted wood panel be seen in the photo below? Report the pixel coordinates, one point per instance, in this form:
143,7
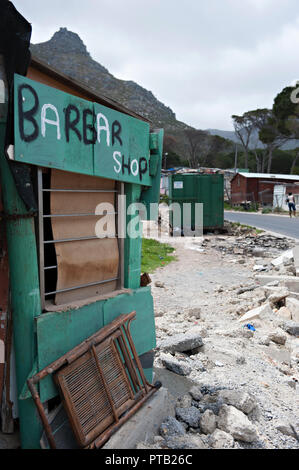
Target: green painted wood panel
151,194
25,297
133,245
40,142
59,332
57,130
122,152
143,327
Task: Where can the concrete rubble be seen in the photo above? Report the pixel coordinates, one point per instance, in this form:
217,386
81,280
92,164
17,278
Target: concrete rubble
228,343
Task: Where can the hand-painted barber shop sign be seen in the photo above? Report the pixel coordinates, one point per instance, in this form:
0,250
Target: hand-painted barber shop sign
58,130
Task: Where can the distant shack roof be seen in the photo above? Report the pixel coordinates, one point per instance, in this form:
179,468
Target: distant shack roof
269,176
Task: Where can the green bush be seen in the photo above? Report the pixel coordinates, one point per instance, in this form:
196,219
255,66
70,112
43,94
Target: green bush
266,210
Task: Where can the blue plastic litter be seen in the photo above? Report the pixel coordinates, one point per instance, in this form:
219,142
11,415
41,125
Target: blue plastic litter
250,327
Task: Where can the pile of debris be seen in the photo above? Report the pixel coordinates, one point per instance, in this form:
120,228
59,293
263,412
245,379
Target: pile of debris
239,348
261,245
210,417
235,229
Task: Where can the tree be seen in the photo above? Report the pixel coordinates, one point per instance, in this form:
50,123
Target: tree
243,130
295,159
268,126
286,111
196,141
216,147
203,148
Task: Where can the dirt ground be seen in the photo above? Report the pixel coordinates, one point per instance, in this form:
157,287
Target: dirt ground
199,293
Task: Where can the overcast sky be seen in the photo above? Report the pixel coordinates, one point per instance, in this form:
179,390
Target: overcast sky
205,59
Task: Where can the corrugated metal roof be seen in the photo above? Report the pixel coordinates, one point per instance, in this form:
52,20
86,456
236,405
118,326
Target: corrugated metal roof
270,176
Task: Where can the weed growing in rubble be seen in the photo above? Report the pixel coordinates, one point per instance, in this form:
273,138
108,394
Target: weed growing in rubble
237,224
155,255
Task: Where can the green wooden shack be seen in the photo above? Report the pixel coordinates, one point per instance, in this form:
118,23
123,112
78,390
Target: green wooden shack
70,159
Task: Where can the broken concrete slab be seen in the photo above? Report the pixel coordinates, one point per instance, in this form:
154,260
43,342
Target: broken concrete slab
184,402
256,312
278,337
174,365
291,282
269,290
195,393
208,422
278,295
181,342
284,312
143,425
221,440
292,305
291,327
172,427
243,401
287,255
190,416
237,424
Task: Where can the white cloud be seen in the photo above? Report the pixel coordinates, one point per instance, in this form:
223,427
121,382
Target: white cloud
206,60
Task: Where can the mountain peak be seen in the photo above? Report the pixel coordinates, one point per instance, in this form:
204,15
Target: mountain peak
67,53
66,41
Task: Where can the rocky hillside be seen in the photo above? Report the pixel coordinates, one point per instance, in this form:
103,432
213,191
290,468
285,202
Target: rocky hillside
67,53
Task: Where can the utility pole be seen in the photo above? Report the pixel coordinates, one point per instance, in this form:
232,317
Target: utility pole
165,157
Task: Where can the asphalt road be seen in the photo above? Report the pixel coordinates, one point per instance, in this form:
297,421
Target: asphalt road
283,225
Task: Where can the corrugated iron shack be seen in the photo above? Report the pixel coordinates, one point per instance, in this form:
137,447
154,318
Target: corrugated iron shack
259,187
